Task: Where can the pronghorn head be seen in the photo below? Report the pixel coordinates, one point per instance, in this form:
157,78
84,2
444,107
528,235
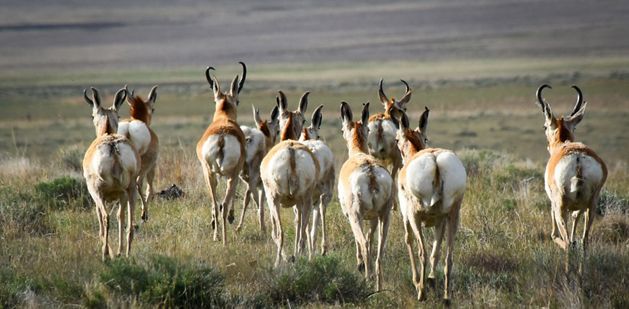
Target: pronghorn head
270,128
560,130
410,141
355,132
392,103
105,119
140,109
291,123
226,103
312,131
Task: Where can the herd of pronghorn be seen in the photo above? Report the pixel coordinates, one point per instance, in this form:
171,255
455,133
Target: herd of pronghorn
388,165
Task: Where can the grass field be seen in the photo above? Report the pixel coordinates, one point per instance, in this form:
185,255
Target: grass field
49,250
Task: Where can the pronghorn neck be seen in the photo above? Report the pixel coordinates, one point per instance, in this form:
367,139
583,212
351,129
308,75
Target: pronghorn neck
289,131
412,144
139,110
560,136
358,141
268,137
225,109
106,126
305,135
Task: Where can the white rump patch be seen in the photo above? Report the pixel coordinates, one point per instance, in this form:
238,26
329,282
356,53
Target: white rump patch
139,134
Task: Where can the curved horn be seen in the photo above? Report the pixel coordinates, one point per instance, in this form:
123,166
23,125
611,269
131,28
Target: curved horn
87,99
244,76
383,97
406,84
540,100
579,102
407,95
208,77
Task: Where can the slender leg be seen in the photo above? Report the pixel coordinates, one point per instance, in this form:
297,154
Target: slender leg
210,181
382,239
373,227
245,203
436,251
589,218
232,184
144,202
408,239
453,225
316,213
421,252
277,229
323,205
361,241
150,176
562,241
121,218
261,208
105,250
129,227
575,221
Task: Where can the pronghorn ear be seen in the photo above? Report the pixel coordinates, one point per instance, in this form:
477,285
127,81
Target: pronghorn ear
152,95
233,90
364,117
256,115
577,116
281,101
88,100
130,95
216,88
407,96
404,123
346,113
423,120
275,113
119,98
317,118
383,97
95,97
303,103
395,114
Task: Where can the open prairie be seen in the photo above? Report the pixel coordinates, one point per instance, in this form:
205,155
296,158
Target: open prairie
475,65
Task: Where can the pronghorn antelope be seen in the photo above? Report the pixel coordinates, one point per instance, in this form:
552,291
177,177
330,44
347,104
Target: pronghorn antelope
259,140
574,173
325,183
138,130
365,191
431,185
221,149
110,167
289,174
382,130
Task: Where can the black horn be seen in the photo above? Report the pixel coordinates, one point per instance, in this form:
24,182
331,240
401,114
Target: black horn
540,99
383,97
244,76
577,105
208,77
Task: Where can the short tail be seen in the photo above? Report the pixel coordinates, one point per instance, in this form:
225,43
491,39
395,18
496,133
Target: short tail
293,178
576,182
220,153
437,184
117,170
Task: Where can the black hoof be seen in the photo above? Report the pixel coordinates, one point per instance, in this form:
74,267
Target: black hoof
431,282
136,227
291,259
230,218
145,217
213,224
361,267
446,302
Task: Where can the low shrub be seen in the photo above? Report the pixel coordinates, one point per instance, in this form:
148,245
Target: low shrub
63,193
165,282
21,213
321,280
